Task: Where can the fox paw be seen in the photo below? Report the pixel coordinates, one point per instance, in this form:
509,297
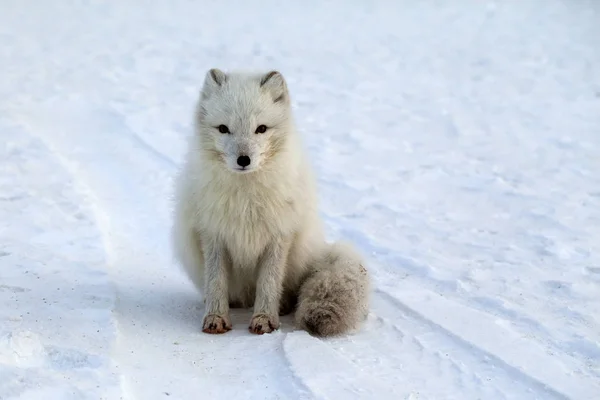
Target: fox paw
262,323
214,323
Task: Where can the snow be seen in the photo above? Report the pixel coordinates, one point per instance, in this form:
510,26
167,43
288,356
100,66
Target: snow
456,143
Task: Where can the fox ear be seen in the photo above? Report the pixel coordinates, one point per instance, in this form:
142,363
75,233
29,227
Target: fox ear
214,79
274,82
218,76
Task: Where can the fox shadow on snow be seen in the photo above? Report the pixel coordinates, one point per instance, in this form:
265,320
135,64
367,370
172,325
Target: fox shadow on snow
180,308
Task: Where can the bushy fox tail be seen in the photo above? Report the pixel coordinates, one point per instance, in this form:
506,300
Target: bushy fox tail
334,298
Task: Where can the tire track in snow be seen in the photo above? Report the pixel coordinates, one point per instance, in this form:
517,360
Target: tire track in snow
396,356
327,373
409,354
555,376
491,375
75,324
38,124
518,356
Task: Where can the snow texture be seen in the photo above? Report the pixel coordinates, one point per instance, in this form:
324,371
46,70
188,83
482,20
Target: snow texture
456,143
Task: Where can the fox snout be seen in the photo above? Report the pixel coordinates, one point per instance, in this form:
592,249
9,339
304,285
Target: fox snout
243,154
243,161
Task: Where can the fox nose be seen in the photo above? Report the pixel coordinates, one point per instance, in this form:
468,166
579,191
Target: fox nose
243,161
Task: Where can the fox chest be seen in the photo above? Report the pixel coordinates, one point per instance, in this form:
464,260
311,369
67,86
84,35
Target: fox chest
247,224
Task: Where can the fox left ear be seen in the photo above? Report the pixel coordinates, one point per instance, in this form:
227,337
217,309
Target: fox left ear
274,82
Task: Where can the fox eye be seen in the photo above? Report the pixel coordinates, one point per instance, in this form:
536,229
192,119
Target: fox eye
223,129
261,129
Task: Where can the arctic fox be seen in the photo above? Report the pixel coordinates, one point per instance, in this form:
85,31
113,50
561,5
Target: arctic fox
246,226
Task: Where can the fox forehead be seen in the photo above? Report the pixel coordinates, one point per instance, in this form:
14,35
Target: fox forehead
244,100
243,107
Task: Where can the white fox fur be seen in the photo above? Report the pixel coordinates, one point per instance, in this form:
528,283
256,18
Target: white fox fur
247,232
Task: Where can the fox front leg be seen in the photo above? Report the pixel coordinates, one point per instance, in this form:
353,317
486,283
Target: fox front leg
216,316
269,288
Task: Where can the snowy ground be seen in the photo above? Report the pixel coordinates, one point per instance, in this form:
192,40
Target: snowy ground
457,143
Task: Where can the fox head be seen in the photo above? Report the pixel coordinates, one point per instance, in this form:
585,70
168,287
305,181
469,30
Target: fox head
243,119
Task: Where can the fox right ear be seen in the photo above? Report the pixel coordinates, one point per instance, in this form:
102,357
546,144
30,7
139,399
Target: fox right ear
214,79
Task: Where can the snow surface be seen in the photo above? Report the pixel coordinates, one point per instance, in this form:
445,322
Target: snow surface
456,143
